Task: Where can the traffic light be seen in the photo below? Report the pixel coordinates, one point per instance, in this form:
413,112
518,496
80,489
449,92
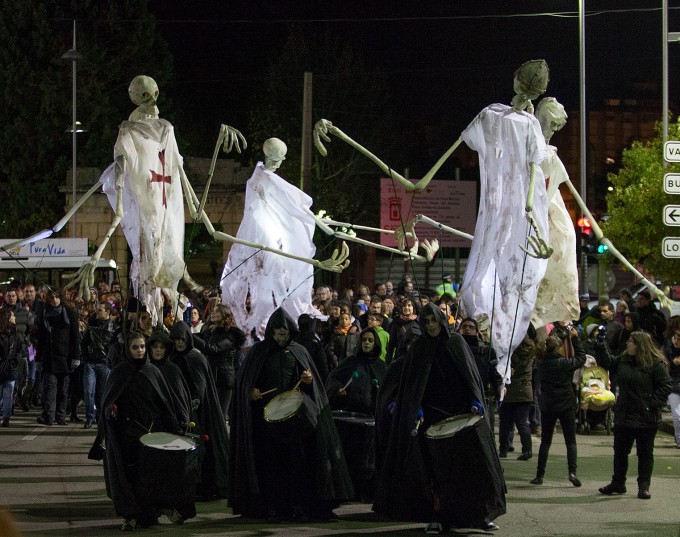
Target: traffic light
602,249
587,235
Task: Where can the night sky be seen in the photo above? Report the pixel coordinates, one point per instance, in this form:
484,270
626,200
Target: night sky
445,61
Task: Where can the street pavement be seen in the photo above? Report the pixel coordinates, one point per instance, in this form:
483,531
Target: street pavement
53,490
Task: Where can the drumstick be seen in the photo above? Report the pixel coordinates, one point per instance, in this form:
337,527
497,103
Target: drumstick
355,375
420,417
268,391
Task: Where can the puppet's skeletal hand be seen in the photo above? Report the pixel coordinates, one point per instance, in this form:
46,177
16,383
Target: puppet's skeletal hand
539,248
431,248
338,261
84,278
232,139
408,230
321,130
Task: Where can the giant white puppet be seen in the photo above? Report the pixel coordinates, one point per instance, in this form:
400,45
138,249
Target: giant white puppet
557,298
256,282
508,256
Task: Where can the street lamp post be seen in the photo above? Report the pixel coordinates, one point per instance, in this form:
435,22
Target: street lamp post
73,56
582,125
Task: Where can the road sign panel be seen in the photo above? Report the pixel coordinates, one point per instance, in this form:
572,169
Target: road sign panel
671,215
670,247
671,183
671,151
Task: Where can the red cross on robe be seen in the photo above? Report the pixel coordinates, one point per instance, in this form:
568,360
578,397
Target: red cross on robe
161,177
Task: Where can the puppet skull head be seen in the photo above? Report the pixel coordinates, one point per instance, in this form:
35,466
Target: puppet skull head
143,92
531,80
551,115
274,152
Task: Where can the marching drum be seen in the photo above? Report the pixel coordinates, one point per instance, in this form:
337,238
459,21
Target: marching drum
168,467
357,436
458,448
291,413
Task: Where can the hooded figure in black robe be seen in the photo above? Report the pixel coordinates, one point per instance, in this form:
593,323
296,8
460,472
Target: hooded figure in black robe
357,401
278,470
136,401
457,483
181,398
207,414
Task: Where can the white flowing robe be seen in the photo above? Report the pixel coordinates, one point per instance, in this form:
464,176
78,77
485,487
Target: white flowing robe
501,281
558,294
153,223
273,217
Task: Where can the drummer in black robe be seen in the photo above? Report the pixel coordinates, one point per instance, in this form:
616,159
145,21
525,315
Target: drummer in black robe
159,347
207,415
352,389
136,401
276,470
440,380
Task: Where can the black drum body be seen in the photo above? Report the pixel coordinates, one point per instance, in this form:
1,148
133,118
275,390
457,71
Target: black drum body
168,468
465,485
291,414
357,436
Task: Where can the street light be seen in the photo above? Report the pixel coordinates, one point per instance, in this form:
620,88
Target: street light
73,56
667,37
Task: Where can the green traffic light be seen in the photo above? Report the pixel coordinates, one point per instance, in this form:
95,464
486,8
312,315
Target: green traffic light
602,249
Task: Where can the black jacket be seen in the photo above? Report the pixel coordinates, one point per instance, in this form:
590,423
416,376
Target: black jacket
642,393
556,373
58,339
97,340
9,357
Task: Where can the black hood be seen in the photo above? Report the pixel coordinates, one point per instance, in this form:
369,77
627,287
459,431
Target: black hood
181,330
155,337
280,319
376,349
433,309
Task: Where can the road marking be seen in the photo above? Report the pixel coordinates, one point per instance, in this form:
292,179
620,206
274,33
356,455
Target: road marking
37,430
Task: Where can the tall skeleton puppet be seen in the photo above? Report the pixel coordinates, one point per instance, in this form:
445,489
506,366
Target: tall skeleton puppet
509,253
277,214
144,185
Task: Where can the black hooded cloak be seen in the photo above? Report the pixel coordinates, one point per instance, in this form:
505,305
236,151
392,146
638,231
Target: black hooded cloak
181,398
265,473
440,377
136,400
207,415
362,391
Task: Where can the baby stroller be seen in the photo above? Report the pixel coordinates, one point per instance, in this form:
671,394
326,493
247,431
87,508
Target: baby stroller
595,400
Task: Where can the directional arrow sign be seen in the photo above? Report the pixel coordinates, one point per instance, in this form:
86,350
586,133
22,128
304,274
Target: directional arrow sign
671,215
670,247
671,151
671,183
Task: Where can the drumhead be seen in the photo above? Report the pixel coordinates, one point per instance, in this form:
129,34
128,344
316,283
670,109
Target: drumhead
283,406
450,426
167,442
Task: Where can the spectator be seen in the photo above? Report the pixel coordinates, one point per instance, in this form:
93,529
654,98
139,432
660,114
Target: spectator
309,339
607,314
58,348
652,320
627,297
344,340
563,354
9,361
672,351
196,323
221,341
621,310
514,409
99,336
399,327
644,386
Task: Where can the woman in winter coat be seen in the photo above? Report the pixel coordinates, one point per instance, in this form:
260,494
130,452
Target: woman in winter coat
562,356
344,341
644,385
514,410
221,341
400,327
9,361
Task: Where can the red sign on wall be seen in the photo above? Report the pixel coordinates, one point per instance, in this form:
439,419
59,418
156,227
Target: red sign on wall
452,203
